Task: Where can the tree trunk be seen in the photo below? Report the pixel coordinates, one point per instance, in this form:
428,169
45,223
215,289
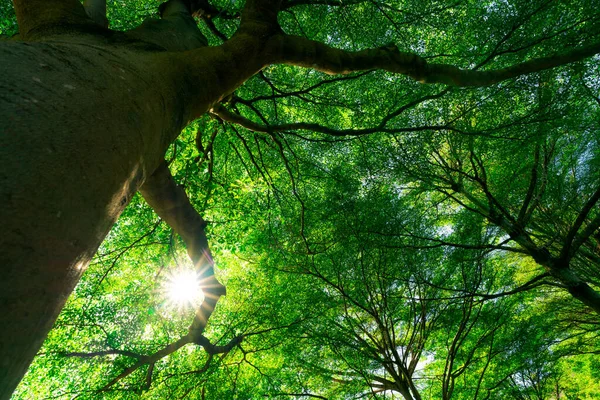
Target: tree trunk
84,119
69,167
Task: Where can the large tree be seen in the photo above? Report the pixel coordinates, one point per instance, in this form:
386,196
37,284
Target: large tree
88,115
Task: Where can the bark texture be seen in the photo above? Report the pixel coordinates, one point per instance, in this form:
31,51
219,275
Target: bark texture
84,119
96,9
69,167
38,18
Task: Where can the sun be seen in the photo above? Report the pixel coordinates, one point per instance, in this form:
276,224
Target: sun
182,289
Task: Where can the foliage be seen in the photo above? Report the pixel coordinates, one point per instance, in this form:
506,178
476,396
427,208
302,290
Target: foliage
373,253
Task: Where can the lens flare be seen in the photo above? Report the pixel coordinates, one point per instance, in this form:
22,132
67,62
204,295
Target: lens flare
182,289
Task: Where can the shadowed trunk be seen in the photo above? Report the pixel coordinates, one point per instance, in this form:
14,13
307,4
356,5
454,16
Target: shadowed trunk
83,123
69,167
96,9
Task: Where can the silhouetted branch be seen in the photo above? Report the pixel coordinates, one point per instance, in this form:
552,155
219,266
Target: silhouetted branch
572,244
229,116
299,51
314,396
171,348
96,9
33,15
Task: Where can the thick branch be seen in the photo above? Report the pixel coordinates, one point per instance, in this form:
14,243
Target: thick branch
36,15
176,30
296,50
171,203
260,12
578,288
212,349
215,72
202,8
96,9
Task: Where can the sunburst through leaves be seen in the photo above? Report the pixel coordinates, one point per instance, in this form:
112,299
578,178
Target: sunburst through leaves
182,289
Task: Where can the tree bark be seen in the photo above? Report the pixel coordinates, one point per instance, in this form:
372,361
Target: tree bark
82,124
96,9
69,167
37,18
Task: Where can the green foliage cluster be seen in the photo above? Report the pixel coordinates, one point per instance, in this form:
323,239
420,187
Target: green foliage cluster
8,22
363,258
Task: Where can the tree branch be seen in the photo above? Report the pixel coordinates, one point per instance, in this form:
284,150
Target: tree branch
205,10
297,93
171,203
212,27
521,220
228,116
299,51
571,244
151,359
96,9
589,230
169,349
530,284
314,396
36,15
213,349
260,12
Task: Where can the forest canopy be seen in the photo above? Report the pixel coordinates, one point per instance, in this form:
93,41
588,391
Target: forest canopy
380,234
